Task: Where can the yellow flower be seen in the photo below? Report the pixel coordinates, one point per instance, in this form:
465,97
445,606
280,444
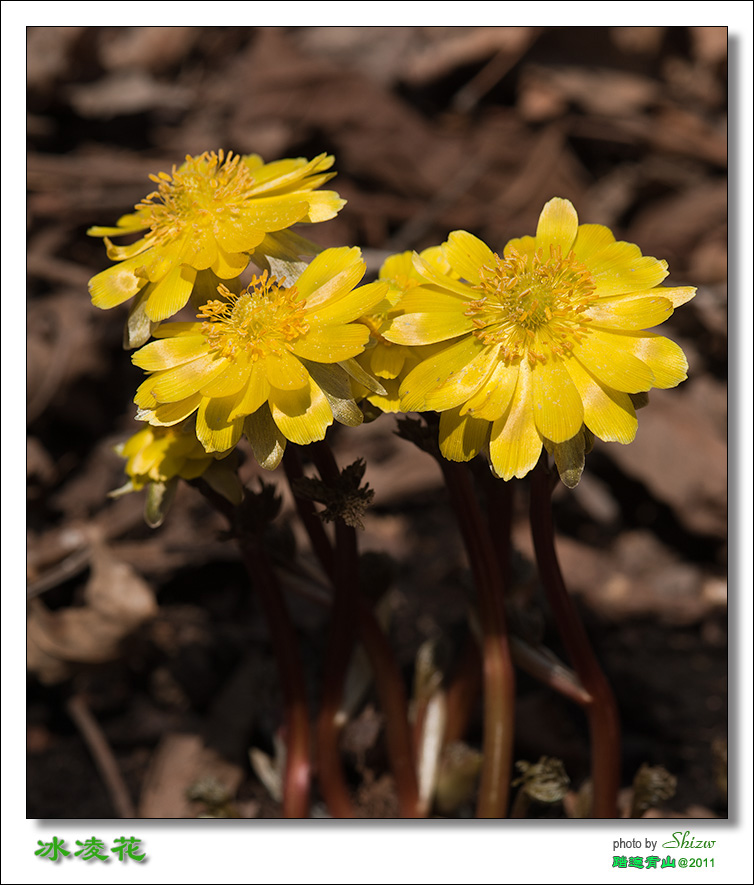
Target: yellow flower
539,342
158,454
382,358
207,215
272,361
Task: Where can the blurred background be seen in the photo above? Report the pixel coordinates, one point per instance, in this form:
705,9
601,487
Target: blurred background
150,641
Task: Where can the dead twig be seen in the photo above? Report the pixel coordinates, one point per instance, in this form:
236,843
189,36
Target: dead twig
66,569
96,742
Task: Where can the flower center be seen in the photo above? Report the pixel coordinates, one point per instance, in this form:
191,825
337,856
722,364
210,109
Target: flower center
261,320
532,305
204,189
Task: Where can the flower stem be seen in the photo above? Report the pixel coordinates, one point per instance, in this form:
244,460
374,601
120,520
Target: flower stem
602,711
394,705
283,637
463,691
321,544
339,649
298,764
499,679
500,520
387,676
342,566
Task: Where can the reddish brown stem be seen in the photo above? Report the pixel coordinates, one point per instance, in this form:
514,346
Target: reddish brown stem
499,679
463,691
342,567
339,650
285,646
321,544
500,520
392,696
387,676
602,711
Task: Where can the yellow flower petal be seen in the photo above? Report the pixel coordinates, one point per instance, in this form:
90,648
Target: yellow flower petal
492,400
303,416
448,378
395,267
515,442
332,344
388,401
435,258
120,253
168,352
214,428
262,172
170,330
135,442
267,442
285,372
428,328
461,436
591,239
323,205
234,377
351,306
429,271
229,264
186,379
160,261
466,254
621,269
117,284
255,393
386,360
197,248
171,293
428,299
167,414
126,224
331,274
664,357
558,224
678,296
238,236
631,313
147,456
285,174
273,213
144,398
464,383
521,245
558,412
608,357
608,413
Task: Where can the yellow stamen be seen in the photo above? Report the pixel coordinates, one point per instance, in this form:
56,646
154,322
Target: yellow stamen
261,320
529,301
206,188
